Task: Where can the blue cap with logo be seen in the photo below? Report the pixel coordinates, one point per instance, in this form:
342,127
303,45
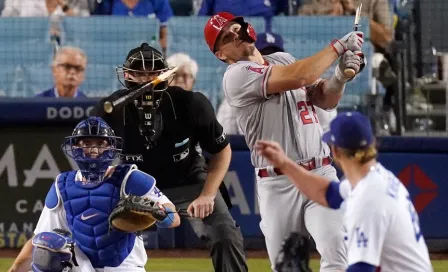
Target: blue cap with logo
350,130
269,39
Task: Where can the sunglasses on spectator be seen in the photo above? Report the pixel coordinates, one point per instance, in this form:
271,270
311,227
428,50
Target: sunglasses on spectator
68,67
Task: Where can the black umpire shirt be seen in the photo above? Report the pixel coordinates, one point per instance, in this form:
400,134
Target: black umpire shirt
175,159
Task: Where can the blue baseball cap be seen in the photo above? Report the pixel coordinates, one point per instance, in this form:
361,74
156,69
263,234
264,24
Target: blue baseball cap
267,39
350,130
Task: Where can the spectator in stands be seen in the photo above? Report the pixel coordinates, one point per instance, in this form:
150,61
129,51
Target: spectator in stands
44,8
160,9
378,11
263,8
186,74
69,67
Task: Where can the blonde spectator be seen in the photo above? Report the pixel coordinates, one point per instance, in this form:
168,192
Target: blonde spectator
68,68
188,69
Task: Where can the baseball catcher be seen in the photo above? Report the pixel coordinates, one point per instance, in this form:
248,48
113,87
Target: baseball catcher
101,206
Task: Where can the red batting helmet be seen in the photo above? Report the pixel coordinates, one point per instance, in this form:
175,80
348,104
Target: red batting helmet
219,21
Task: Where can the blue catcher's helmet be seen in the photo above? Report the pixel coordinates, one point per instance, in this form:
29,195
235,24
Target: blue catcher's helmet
93,146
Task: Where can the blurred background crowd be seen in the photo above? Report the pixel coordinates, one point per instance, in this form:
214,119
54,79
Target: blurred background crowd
70,48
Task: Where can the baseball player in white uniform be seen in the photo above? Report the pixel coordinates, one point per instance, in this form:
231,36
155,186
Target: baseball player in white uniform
382,226
274,98
80,202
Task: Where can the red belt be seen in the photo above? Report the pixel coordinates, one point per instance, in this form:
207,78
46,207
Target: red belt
310,165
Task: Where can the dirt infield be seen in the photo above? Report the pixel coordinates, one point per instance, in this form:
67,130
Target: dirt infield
195,253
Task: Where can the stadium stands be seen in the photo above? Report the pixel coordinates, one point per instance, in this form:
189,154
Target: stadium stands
27,52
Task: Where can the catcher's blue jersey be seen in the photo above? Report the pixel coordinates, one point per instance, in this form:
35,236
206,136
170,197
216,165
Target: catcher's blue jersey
87,211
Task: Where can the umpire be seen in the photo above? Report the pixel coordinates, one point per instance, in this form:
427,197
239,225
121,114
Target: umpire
163,132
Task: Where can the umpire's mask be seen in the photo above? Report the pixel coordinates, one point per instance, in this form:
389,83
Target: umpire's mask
143,64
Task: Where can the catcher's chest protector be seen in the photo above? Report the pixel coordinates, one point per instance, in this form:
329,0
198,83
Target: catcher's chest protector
87,211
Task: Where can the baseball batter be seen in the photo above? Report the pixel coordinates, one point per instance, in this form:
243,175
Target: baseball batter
274,98
383,230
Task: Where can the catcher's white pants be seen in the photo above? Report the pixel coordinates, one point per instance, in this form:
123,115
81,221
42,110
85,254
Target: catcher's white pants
133,263
284,209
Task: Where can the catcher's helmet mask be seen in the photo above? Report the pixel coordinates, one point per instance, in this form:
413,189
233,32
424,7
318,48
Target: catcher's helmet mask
92,168
145,63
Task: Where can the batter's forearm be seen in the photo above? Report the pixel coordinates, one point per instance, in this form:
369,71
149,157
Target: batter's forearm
301,73
23,261
311,185
218,166
310,69
332,90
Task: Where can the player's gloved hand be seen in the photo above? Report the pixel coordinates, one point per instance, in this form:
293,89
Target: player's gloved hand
352,41
351,60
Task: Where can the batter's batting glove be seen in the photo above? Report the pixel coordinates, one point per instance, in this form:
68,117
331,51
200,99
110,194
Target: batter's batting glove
294,255
352,41
351,60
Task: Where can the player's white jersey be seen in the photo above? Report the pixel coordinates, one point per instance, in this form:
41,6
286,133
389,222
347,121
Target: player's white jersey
51,219
288,118
382,225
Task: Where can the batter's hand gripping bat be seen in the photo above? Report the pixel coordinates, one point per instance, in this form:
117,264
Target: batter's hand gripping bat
349,72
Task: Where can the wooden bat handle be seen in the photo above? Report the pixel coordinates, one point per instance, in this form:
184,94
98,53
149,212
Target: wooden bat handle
349,72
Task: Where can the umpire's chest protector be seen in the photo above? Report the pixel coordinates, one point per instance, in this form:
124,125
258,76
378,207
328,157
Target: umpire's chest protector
87,211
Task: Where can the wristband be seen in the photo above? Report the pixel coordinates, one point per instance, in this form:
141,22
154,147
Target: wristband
338,47
168,221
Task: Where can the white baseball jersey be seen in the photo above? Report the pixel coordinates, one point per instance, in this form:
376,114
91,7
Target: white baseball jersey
51,219
288,118
382,225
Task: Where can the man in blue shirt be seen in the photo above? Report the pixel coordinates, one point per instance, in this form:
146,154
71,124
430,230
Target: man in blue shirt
160,9
68,68
263,8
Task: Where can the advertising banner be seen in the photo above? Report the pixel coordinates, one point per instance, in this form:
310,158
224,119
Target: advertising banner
30,160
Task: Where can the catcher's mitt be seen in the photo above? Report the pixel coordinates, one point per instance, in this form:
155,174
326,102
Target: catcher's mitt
135,213
294,255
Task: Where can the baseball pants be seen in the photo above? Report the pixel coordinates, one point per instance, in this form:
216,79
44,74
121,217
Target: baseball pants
284,209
